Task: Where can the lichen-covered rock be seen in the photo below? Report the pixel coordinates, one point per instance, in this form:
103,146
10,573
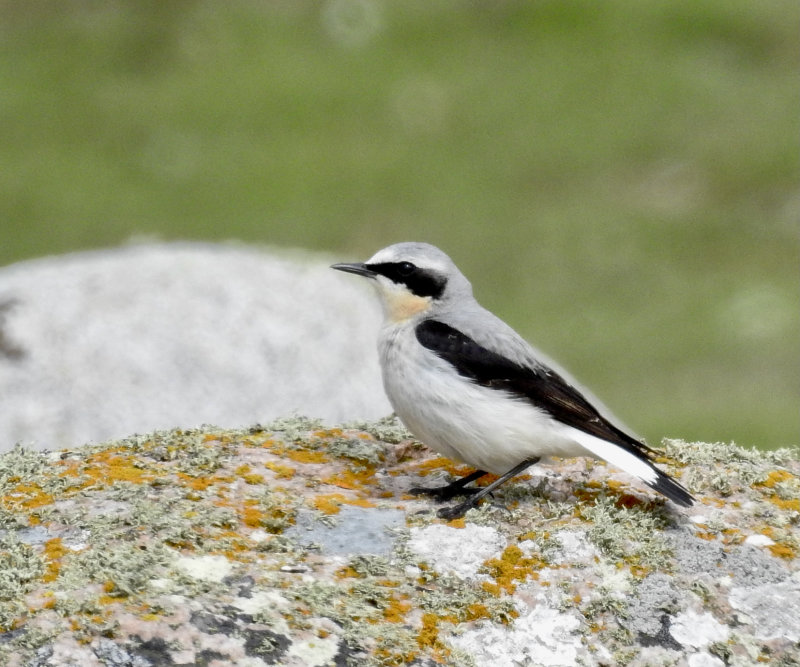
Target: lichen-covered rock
293,544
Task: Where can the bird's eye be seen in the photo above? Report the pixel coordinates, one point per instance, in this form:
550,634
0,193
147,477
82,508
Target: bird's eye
405,268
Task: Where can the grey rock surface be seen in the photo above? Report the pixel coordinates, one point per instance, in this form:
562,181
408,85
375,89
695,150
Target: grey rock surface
98,345
356,531
298,545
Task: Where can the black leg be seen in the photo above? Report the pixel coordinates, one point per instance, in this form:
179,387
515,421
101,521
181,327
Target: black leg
451,490
457,511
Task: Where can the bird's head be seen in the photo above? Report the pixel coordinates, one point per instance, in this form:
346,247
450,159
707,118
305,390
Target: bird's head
412,279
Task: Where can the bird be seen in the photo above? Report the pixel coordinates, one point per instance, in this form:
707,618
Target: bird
468,386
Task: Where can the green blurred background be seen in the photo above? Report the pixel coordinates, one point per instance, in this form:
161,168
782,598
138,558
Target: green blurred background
618,178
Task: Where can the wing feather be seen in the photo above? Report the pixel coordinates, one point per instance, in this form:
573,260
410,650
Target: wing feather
540,385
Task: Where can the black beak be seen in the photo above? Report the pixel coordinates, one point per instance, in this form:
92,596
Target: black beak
359,269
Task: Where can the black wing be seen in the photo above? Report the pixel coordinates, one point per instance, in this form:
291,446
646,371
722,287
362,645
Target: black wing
542,386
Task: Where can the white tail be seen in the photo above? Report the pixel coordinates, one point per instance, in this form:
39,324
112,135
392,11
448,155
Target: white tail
635,464
616,456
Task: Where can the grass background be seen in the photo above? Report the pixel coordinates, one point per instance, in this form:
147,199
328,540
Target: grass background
618,178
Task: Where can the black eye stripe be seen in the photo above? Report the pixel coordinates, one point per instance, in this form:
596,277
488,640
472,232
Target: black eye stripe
422,282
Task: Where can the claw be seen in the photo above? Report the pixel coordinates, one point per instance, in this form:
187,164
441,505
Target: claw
455,511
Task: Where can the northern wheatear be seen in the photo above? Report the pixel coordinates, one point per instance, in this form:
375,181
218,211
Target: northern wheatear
468,386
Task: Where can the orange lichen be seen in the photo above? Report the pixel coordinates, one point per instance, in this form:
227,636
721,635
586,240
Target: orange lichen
782,550
307,456
424,468
329,503
107,467
328,433
251,516
392,659
396,610
351,479
244,471
491,588
613,488
511,567
107,599
347,572
789,504
281,470
428,634
428,637
732,536
359,502
776,477
54,550
779,477
27,495
196,483
477,610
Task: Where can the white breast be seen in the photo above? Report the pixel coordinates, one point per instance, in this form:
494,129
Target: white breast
483,427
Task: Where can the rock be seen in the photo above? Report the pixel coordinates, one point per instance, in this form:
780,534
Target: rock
98,345
296,544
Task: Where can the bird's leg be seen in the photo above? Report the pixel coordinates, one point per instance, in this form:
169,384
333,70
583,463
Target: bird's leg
457,511
451,490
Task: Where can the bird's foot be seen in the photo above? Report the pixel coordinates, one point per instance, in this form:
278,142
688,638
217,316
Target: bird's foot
442,493
456,511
